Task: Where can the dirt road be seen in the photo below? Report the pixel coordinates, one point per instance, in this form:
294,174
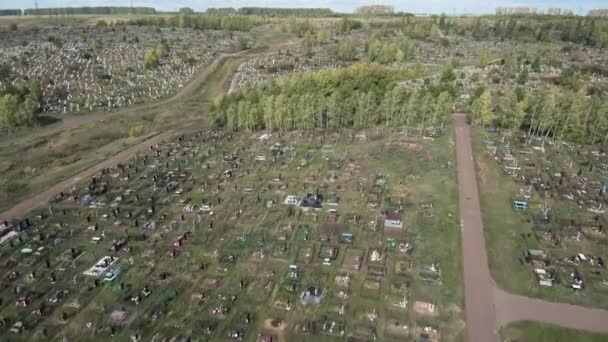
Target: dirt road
487,307
39,199
513,308
478,287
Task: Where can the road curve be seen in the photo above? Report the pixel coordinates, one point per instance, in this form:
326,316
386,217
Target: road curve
488,308
478,287
513,308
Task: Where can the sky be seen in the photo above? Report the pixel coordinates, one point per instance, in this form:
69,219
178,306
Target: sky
414,6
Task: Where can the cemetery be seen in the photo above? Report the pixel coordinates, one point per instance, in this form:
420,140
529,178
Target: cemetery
198,236
556,194
86,68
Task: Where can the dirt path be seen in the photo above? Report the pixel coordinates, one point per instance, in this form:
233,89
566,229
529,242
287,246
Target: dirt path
487,307
39,199
478,287
513,308
75,120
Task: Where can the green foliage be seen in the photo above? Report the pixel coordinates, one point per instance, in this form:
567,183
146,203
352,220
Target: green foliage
308,43
382,53
186,10
101,23
203,21
19,105
284,12
5,72
136,131
362,95
153,55
151,58
243,43
482,109
346,25
10,12
89,10
484,59
344,51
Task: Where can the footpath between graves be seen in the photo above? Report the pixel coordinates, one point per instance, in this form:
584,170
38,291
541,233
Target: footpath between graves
487,307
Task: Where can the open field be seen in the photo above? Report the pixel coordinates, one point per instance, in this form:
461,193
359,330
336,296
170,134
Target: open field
197,227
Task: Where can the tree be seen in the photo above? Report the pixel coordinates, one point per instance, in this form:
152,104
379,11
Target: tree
308,43
9,105
151,59
443,109
5,72
344,51
323,36
484,58
482,109
186,10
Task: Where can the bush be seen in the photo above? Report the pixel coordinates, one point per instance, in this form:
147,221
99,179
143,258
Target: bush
136,131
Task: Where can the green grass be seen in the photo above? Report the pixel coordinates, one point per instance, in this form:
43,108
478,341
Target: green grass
538,332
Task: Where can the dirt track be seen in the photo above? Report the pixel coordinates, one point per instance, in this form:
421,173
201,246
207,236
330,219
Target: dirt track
487,307
41,198
478,289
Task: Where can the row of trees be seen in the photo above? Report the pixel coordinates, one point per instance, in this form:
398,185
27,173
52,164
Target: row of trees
284,12
552,112
89,10
360,96
6,12
586,31
203,22
19,105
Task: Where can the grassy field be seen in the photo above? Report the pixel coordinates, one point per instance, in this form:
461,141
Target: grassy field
507,236
537,332
417,173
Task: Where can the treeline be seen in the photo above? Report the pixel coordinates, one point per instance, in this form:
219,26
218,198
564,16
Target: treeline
578,30
203,22
89,10
284,12
360,96
19,105
552,112
6,12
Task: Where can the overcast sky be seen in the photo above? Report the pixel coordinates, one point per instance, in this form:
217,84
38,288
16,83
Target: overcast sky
416,6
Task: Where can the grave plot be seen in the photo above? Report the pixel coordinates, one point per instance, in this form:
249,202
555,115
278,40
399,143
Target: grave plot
83,68
181,240
557,198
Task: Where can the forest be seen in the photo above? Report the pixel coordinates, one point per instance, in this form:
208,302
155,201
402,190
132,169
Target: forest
360,96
